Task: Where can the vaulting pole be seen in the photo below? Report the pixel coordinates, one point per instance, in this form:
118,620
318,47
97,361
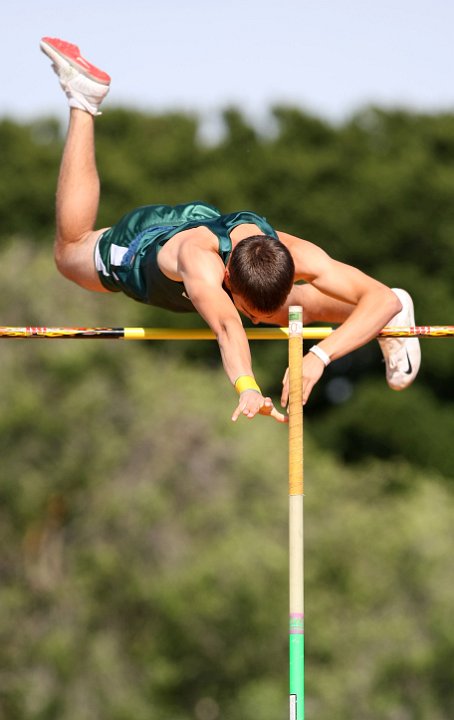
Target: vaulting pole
296,523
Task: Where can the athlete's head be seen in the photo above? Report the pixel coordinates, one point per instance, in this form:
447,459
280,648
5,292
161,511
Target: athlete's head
261,270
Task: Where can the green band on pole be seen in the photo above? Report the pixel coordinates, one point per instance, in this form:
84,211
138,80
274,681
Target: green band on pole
296,676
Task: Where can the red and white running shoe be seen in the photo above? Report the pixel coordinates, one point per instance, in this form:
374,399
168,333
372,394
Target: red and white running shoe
85,85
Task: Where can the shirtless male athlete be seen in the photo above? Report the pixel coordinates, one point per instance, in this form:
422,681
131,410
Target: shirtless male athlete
191,258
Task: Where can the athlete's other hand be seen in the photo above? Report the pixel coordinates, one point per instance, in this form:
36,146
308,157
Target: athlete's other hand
313,369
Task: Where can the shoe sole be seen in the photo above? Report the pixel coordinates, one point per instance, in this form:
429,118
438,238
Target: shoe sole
58,50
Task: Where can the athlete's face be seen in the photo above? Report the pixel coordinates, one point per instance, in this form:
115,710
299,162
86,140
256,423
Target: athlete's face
245,309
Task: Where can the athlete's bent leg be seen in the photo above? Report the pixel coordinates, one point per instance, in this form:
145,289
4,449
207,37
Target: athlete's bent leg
402,356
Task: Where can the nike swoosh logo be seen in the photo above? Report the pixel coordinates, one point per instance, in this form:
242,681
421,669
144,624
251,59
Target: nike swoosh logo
410,369
188,298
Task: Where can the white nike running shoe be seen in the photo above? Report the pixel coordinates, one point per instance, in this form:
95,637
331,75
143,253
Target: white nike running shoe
402,355
84,84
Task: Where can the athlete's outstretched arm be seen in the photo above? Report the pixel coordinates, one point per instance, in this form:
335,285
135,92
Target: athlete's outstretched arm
372,305
202,272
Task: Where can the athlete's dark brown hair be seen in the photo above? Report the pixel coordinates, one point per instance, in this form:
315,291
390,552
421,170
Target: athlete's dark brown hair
261,271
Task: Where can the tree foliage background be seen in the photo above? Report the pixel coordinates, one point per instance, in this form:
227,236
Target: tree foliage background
144,536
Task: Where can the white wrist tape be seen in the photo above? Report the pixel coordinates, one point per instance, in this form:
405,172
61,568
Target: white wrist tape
321,354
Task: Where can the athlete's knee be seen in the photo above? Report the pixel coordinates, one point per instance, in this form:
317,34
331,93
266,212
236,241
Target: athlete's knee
74,260
61,256
66,259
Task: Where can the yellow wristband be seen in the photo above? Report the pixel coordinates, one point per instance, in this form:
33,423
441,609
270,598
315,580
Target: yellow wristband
246,382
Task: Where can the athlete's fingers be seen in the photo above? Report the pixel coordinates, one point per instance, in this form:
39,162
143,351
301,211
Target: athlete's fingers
264,406
237,412
269,409
285,390
249,405
280,417
307,389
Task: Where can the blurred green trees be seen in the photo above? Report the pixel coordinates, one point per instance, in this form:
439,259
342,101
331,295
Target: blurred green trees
144,536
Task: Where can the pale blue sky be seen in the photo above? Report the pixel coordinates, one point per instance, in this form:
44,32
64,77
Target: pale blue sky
330,57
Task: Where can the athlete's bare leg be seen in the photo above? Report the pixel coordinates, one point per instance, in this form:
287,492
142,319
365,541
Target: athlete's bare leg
85,87
77,204
402,355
